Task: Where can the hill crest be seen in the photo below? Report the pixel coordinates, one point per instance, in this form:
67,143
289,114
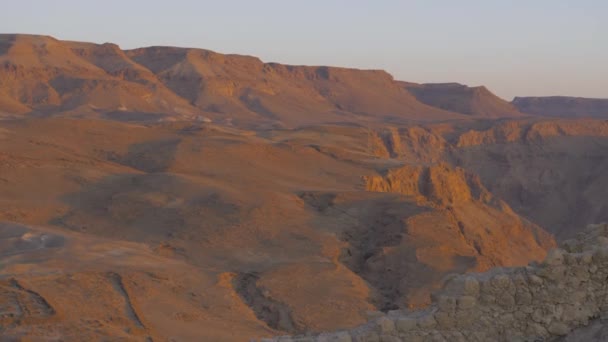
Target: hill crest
41,75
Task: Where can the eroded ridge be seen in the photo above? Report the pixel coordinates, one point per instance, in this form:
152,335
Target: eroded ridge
274,313
539,302
119,286
22,303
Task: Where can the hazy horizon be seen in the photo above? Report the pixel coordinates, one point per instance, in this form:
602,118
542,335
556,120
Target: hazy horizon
545,48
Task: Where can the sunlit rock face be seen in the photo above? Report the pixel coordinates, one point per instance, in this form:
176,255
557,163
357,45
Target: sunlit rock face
542,301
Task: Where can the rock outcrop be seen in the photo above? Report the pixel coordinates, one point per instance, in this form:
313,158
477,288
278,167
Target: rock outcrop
532,132
438,185
538,302
459,98
458,227
551,171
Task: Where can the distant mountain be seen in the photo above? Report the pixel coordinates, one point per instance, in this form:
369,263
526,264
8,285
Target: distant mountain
563,106
459,98
248,89
45,76
40,75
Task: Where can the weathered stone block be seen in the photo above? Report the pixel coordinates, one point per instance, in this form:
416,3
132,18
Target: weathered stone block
305,339
555,257
534,279
572,246
385,325
506,301
520,281
536,330
367,336
437,337
523,298
602,241
426,322
500,281
592,269
389,338
405,324
444,320
471,287
600,255
558,328
488,299
342,336
446,303
456,336
466,302
372,315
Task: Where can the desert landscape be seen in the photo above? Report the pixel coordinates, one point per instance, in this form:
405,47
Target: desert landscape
179,194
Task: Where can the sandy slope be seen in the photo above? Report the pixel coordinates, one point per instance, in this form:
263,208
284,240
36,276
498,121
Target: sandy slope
196,231
316,194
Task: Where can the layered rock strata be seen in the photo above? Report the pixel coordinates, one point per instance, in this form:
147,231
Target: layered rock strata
539,302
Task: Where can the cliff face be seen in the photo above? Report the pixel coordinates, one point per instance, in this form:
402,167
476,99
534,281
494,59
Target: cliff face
458,227
438,185
563,106
543,169
275,232
246,87
531,132
42,75
474,101
413,144
536,302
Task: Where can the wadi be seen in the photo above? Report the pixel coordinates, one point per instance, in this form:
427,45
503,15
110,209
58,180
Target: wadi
179,194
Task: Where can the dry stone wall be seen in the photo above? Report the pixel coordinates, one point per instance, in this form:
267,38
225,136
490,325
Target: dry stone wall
539,302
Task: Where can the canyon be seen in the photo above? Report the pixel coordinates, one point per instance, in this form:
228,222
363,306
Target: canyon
541,302
180,194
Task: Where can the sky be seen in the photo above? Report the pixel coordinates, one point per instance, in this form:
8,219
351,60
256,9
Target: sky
514,47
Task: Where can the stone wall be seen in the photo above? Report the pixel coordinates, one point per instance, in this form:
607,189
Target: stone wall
539,302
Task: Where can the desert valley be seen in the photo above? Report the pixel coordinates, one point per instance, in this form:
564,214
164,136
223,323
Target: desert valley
179,194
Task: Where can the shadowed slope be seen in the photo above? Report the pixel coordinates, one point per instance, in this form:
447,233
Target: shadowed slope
474,101
552,172
257,231
51,76
243,85
563,106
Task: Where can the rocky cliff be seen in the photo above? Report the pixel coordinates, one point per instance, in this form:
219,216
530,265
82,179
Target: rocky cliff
563,106
458,227
531,132
550,172
459,98
42,75
538,302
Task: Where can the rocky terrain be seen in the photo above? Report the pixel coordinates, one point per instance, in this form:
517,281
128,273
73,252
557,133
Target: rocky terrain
454,97
41,75
278,231
184,195
543,302
563,106
549,171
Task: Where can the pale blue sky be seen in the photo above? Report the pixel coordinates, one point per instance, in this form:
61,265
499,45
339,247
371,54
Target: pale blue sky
515,47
